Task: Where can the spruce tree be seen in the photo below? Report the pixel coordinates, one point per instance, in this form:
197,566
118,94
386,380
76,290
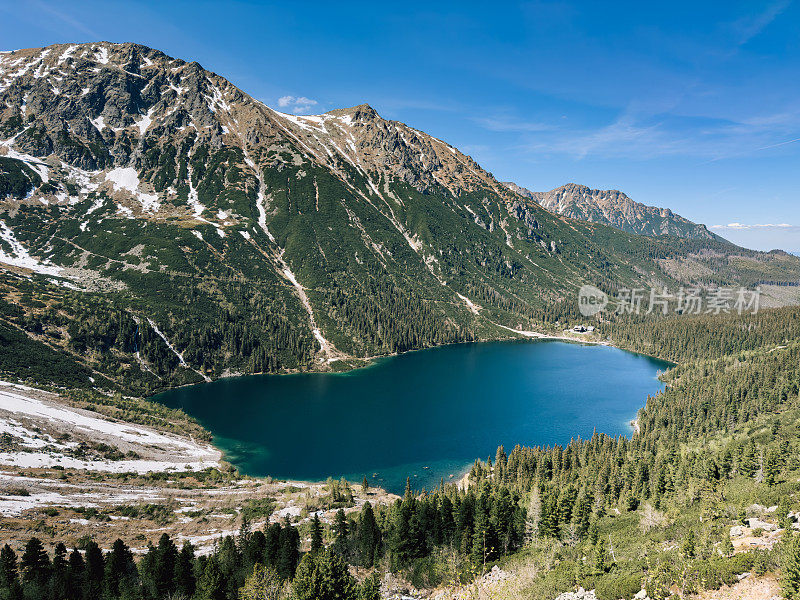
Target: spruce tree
95,568
272,545
58,575
368,535
8,567
35,562
120,570
790,567
288,551
340,527
316,534
185,582
211,585
75,574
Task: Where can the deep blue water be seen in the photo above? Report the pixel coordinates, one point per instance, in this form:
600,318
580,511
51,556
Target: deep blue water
425,415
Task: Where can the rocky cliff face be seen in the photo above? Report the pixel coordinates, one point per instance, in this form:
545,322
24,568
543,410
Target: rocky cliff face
101,106
614,208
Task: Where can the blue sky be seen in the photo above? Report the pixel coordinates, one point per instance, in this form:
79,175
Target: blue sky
690,105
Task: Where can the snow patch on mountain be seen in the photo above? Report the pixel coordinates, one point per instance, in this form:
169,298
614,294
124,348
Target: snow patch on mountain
126,178
19,256
145,122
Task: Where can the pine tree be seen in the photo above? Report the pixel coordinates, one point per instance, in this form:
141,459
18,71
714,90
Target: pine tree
262,584
771,467
185,582
601,558
289,551
727,546
211,585
370,588
689,545
368,535
790,576
8,567
323,576
316,534
34,563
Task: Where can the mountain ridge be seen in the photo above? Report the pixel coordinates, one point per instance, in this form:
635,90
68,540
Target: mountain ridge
615,208
160,226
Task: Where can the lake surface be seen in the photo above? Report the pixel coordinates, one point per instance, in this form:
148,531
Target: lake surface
426,415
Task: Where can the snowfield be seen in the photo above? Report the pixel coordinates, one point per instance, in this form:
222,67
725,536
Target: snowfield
20,257
24,417
128,179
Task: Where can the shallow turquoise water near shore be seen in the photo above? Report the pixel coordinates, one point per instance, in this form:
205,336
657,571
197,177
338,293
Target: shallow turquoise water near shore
426,415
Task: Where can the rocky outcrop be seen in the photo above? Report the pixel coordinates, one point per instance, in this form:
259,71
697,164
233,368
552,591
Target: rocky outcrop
580,594
612,207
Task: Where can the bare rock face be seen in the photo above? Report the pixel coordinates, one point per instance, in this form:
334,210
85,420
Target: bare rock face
386,149
612,207
101,105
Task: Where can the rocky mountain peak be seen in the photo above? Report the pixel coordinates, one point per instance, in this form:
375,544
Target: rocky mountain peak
613,207
362,113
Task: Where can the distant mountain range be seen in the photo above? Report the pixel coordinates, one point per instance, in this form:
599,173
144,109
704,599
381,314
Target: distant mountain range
159,226
612,207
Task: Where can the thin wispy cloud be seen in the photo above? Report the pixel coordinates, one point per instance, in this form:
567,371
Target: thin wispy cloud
297,104
749,27
63,18
779,144
640,135
507,124
748,226
761,236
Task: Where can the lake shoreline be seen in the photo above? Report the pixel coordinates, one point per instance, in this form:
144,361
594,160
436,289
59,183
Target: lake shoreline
369,361
507,374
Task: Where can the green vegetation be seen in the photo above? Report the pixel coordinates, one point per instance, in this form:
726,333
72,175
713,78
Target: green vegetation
16,178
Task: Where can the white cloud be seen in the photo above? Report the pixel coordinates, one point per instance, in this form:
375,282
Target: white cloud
743,226
762,236
297,104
